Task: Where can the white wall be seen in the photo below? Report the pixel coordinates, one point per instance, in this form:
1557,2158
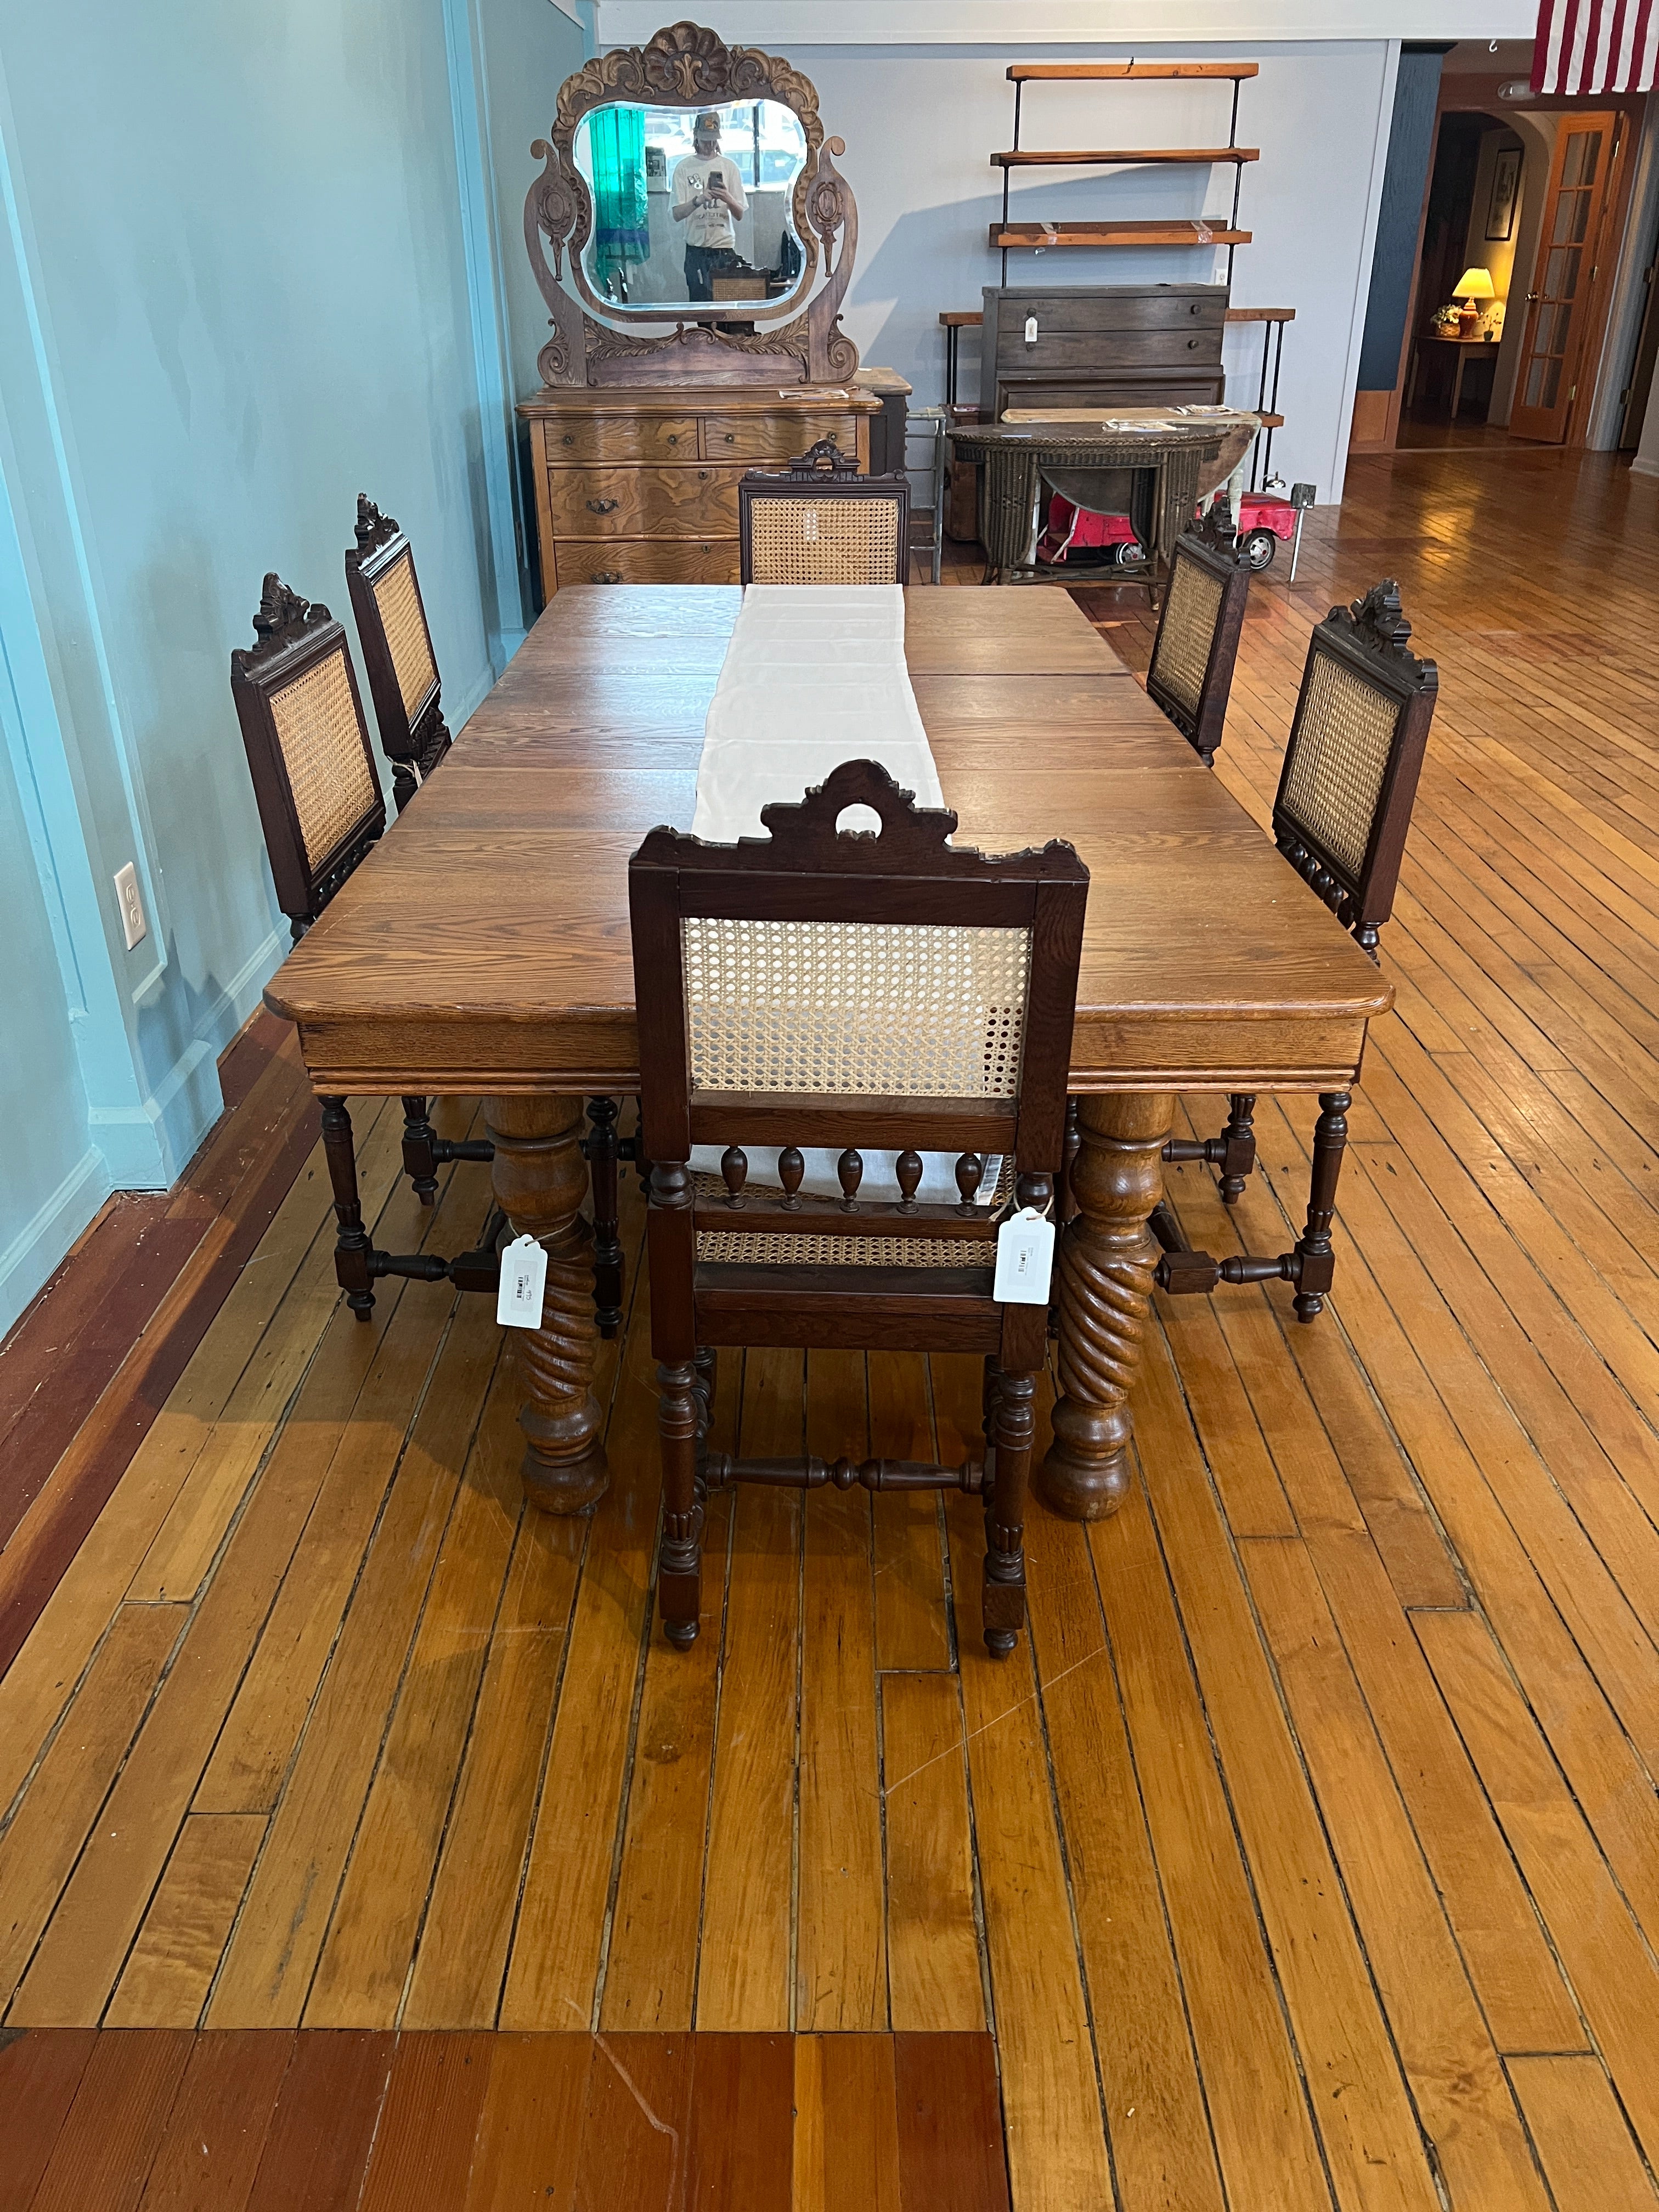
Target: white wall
920,124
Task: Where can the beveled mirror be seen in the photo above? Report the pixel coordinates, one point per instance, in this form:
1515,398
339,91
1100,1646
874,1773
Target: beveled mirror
691,185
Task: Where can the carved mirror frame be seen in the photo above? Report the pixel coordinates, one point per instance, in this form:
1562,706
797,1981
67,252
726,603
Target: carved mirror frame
687,66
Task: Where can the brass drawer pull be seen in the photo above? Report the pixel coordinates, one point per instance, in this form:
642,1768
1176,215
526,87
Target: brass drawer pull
605,576
603,506
731,437
569,438
702,475
674,438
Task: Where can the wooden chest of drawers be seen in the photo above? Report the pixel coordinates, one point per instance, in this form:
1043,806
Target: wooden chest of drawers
639,484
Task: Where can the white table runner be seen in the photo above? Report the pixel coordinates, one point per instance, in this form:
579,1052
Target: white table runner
814,676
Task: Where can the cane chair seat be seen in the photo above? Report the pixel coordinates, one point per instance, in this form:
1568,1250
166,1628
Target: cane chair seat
819,522
1190,674
882,994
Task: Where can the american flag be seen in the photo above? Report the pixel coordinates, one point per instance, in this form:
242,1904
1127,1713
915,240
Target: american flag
1595,45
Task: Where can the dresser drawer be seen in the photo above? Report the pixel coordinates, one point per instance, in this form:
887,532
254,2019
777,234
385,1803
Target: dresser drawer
774,437
621,438
644,502
649,561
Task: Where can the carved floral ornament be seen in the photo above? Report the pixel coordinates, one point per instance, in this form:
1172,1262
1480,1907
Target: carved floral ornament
686,65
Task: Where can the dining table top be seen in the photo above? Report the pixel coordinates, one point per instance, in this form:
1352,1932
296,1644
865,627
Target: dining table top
483,946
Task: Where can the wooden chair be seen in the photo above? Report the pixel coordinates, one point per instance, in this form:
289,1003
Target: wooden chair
756,968
819,521
1341,818
1191,672
321,811
403,669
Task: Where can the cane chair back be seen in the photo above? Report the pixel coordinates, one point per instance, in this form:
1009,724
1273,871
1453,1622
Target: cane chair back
819,521
397,654
308,751
1355,753
1191,672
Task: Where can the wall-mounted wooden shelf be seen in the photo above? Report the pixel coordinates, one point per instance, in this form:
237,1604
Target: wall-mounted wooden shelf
1078,72
1008,236
1097,157
1178,231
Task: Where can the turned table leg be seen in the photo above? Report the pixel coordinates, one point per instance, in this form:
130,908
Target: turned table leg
541,1179
1107,1260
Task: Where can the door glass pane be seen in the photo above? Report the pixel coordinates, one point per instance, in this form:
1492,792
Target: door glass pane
1552,382
1562,233
1534,380
1580,216
1561,276
1579,167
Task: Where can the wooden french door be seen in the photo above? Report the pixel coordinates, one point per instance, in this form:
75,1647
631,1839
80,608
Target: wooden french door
1570,244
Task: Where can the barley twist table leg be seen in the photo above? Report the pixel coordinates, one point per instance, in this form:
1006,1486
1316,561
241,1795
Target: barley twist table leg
541,1179
1107,1260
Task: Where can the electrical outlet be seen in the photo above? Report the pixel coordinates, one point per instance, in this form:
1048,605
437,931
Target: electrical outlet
131,904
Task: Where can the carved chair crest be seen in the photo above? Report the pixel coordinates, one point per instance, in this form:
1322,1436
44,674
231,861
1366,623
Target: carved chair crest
686,65
373,530
825,458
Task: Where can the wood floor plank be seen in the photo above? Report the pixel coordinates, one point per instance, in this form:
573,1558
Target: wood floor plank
1611,1968
219,2122
949,2124
1463,2101
1163,2153
273,1950
462,1960
238,1367
429,2124
934,1954
743,1979
530,2129
740,2145
651,1971
171,1966
841,1942
634,2124
1583,2143
553,1974
114,2128
363,1968
846,2147
913,1628
326,2112
40,1849
257,1744
40,2071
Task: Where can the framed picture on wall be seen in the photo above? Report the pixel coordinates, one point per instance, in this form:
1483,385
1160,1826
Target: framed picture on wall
1505,191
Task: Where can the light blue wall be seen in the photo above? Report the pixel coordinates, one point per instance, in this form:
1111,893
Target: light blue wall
239,284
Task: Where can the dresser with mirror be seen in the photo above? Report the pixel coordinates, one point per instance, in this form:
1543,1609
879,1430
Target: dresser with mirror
693,240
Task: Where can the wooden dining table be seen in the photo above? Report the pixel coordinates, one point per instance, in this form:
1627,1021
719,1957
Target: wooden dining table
481,949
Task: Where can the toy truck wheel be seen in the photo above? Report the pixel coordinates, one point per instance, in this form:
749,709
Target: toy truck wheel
1129,554
1259,549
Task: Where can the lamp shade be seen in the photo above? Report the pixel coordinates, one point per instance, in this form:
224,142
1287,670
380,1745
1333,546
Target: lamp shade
1474,284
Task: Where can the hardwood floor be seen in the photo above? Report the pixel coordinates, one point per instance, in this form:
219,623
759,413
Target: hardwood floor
1306,1855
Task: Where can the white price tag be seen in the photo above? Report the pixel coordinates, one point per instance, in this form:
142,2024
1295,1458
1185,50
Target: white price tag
1031,330
524,1278
1025,1260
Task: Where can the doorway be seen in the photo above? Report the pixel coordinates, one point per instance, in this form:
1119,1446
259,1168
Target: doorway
1463,357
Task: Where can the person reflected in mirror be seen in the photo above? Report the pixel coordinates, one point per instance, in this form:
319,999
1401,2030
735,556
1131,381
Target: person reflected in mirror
708,197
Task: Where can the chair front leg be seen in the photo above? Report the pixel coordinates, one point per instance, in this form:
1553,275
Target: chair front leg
1313,1247
420,1149
679,1555
1014,1427
1238,1145
352,1245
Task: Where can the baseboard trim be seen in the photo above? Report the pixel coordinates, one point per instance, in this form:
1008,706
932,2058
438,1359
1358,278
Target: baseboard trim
1639,467
41,1243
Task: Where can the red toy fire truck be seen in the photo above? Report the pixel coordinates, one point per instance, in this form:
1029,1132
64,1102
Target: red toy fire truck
1263,519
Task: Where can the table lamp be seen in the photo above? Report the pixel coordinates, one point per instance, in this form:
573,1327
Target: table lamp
1474,284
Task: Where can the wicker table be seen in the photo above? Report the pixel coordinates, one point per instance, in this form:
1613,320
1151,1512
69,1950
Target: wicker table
1163,464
